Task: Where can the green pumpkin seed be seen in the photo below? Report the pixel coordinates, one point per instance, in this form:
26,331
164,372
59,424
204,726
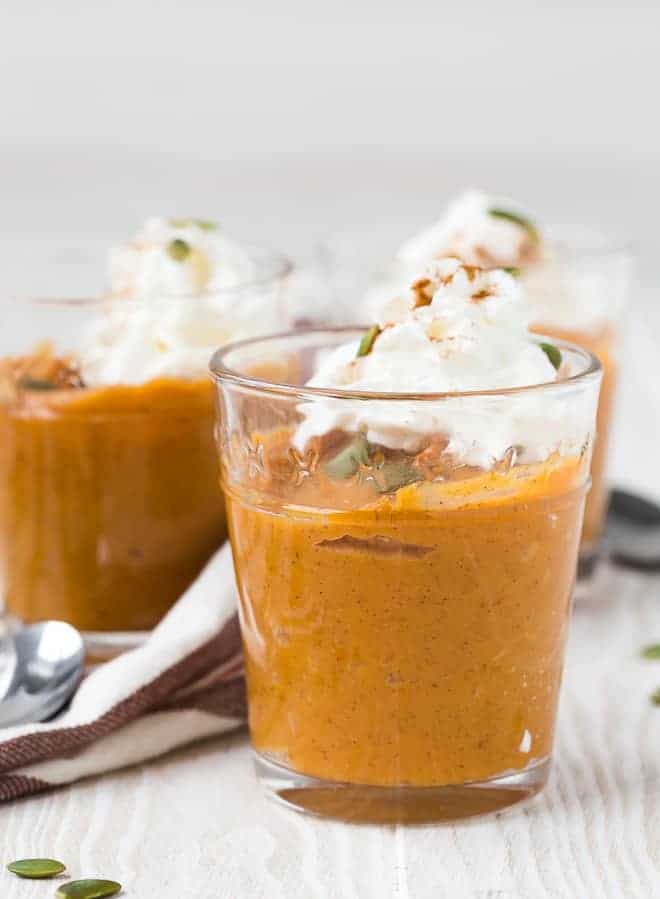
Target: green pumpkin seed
347,461
178,249
651,652
392,475
204,224
28,383
655,697
553,353
513,271
36,868
367,342
517,219
88,889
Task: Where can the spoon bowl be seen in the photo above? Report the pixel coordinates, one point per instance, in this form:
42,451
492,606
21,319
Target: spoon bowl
47,662
632,535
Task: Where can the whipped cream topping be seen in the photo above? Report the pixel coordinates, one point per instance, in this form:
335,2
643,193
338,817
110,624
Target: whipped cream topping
461,329
179,291
136,340
178,257
478,229
468,231
566,292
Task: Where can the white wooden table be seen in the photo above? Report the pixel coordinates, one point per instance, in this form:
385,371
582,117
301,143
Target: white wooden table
195,825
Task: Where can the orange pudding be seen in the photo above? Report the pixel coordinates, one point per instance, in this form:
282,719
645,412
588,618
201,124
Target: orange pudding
414,638
602,344
110,503
405,559
109,500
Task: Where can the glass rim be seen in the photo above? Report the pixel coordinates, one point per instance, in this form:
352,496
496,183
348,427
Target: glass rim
283,265
220,372
582,240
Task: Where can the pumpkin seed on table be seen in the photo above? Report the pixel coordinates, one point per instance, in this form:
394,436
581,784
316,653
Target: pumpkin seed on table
651,652
36,868
88,889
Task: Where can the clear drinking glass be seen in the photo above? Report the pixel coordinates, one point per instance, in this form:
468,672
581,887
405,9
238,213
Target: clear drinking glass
109,496
403,615
580,294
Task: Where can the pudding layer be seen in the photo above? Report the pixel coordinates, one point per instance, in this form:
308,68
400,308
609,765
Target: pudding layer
109,501
416,637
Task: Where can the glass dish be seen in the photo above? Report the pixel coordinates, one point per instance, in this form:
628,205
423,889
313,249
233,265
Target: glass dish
109,496
403,616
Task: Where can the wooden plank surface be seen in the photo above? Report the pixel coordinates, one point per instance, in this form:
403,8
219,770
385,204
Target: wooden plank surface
194,824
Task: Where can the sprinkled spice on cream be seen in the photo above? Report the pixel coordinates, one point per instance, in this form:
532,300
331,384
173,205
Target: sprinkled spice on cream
494,232
458,328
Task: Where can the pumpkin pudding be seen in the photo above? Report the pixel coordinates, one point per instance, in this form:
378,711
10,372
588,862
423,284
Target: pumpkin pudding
417,504
575,284
109,485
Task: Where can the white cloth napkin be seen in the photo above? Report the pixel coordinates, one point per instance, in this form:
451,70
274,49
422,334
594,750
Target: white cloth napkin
185,683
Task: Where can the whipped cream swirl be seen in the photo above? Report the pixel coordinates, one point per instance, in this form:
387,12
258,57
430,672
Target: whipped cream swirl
178,291
178,257
566,292
458,329
478,229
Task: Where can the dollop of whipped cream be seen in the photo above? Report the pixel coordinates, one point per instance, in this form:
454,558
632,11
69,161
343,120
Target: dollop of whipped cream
495,232
478,229
178,257
172,305
137,340
458,329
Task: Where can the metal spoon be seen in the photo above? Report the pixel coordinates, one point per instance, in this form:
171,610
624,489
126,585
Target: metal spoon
632,534
45,664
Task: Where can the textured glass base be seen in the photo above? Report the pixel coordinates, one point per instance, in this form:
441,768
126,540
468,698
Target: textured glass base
398,805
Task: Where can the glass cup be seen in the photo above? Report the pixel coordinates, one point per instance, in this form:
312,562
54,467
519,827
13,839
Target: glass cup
403,615
580,294
109,496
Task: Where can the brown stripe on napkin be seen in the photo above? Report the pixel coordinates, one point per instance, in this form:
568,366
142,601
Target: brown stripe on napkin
215,654
14,786
215,694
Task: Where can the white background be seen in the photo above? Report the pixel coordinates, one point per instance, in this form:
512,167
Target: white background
292,118
295,120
